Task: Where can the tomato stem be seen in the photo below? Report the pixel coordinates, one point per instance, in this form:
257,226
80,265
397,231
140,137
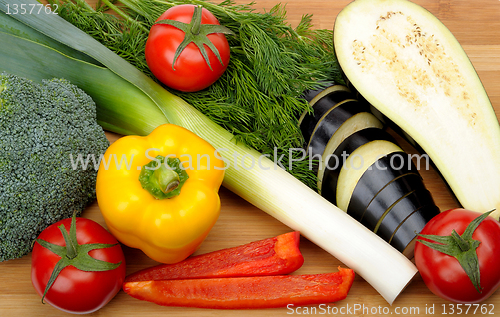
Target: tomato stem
196,20
462,244
70,247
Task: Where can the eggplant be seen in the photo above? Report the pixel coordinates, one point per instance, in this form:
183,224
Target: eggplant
357,122
406,234
403,208
335,163
411,68
361,167
331,121
321,104
387,197
377,177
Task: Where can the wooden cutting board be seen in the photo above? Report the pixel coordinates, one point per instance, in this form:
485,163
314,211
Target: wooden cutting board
476,24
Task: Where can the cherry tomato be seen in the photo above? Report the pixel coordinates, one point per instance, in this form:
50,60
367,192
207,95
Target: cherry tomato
190,72
74,290
443,274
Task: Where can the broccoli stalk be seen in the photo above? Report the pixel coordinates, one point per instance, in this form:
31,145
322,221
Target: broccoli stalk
42,126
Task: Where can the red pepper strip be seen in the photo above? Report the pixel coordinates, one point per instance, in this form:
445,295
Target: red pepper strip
246,292
273,256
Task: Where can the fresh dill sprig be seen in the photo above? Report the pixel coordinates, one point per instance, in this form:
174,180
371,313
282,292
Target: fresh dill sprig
271,65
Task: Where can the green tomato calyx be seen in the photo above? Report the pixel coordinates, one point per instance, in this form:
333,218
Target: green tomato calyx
74,254
461,247
196,33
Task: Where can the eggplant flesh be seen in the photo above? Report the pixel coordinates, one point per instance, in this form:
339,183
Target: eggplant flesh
410,67
336,161
357,122
357,164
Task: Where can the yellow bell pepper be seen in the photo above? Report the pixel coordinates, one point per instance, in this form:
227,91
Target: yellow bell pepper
159,193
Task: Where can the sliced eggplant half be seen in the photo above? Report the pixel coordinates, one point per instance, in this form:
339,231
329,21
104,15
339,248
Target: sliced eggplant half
321,104
409,66
341,159
405,236
379,175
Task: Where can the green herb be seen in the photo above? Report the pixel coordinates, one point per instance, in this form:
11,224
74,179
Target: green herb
257,98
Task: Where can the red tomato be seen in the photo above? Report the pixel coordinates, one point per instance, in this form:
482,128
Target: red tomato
191,73
76,291
443,274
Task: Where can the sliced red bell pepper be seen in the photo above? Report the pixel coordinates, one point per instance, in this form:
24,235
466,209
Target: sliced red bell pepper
273,256
245,292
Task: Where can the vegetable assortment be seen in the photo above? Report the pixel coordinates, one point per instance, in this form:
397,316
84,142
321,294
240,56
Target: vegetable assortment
157,188
137,105
165,200
362,170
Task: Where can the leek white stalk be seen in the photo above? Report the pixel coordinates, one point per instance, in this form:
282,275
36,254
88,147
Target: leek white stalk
119,88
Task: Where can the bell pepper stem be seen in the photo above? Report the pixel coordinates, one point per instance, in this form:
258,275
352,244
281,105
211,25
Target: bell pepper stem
163,177
167,178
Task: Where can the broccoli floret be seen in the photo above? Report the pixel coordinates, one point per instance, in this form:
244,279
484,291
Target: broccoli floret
43,128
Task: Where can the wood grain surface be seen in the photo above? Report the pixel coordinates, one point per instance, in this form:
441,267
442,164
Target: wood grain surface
476,24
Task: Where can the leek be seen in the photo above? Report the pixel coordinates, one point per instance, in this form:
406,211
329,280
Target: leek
129,102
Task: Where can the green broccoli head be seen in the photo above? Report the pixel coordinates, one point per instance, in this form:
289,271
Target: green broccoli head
43,129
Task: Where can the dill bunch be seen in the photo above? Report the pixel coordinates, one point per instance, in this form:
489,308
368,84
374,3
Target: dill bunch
258,98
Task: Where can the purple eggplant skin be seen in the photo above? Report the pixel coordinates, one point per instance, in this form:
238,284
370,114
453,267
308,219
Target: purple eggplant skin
389,196
331,122
401,210
334,164
405,236
321,107
376,177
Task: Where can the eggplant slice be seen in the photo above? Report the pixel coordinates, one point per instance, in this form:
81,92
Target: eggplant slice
338,160
379,175
405,236
362,169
